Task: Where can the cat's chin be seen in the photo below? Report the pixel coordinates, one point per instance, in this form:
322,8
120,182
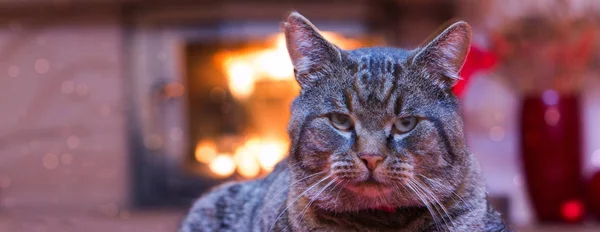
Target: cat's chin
369,189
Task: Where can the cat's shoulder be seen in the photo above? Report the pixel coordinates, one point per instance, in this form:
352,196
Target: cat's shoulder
231,206
224,208
206,213
218,196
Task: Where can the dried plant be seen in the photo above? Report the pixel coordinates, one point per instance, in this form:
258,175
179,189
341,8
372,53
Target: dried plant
545,44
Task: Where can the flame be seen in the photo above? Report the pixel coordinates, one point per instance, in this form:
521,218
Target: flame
249,159
205,152
241,78
246,163
222,165
271,153
245,68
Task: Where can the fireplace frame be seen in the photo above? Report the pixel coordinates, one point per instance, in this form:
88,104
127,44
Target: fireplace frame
155,36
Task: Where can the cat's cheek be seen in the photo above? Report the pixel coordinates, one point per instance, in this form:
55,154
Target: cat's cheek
314,139
425,142
322,140
325,138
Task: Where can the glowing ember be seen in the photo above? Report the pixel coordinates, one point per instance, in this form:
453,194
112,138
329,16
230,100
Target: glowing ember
205,152
222,165
249,159
246,163
271,153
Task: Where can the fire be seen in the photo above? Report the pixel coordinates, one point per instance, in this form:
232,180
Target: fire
247,165
205,152
271,153
222,165
249,159
241,78
243,69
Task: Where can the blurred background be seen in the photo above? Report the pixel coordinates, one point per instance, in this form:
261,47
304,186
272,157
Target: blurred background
115,115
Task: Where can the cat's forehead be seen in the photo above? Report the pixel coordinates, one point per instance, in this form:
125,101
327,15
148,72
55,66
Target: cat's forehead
397,53
377,56
374,74
375,66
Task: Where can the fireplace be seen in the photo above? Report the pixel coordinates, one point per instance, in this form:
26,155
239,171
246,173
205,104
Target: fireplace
238,100
211,87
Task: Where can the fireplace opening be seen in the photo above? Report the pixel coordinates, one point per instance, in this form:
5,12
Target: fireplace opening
238,98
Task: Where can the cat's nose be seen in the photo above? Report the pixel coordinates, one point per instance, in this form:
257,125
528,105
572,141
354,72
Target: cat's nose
371,160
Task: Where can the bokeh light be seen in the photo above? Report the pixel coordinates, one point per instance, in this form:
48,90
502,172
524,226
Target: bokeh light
41,66
246,163
271,152
552,116
572,210
205,152
50,161
222,165
241,79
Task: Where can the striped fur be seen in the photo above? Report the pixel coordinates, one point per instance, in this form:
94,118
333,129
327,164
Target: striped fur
428,180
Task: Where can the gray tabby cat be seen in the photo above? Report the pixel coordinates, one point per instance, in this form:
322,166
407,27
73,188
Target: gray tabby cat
377,145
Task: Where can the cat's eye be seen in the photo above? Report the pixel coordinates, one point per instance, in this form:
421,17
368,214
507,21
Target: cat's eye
341,121
406,124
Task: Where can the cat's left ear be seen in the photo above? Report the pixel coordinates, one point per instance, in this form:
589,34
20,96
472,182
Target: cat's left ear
444,56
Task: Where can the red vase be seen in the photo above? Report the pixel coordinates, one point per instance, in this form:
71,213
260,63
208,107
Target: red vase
551,155
593,195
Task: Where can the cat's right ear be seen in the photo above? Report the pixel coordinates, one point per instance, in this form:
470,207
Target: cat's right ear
443,57
312,56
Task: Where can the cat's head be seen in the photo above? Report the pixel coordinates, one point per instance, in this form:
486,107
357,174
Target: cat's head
376,126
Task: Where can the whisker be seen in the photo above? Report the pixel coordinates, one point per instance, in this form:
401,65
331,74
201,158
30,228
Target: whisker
447,189
296,199
436,201
299,164
382,199
425,202
287,188
338,195
335,186
295,182
311,201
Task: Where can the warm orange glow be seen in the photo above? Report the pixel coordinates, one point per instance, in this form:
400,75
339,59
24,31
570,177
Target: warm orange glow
241,78
249,159
246,163
245,68
222,165
273,65
205,152
271,153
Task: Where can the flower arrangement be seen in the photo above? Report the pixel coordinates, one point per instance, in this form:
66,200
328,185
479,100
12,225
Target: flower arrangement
545,45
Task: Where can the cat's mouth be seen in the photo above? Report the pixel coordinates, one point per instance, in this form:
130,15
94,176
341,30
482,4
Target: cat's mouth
370,181
369,188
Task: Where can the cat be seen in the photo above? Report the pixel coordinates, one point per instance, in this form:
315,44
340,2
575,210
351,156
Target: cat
377,144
